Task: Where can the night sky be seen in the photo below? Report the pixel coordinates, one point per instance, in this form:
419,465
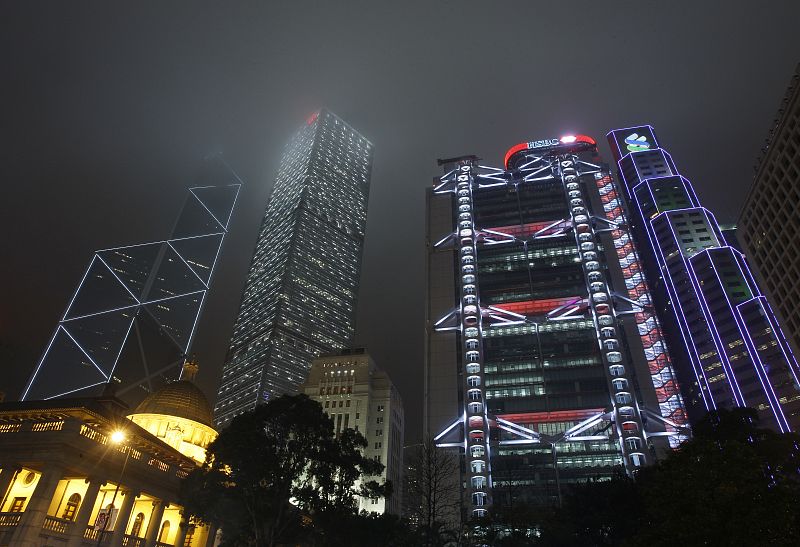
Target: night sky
108,110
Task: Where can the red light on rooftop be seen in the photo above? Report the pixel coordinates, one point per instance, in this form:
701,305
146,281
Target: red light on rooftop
585,139
312,118
548,144
513,150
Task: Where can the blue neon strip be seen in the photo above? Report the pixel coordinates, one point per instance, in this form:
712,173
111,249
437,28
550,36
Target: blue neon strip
726,365
690,266
761,371
697,366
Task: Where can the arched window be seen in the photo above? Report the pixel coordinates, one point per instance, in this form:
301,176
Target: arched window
71,507
136,529
162,535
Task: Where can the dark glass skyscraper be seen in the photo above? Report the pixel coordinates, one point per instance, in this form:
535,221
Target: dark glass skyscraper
299,300
545,364
735,352
132,319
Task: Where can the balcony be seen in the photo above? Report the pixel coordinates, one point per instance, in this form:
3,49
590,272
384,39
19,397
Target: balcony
9,520
56,526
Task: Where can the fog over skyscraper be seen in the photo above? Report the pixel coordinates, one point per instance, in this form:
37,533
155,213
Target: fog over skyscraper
299,299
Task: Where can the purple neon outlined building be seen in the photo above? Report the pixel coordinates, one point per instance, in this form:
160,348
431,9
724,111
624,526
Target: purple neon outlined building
736,353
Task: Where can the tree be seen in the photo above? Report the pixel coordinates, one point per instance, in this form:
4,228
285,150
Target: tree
432,493
731,484
279,472
371,530
597,513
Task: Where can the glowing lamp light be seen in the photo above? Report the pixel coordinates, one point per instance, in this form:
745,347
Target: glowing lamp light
117,437
569,139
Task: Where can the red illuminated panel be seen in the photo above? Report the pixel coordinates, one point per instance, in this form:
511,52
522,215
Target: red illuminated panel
312,118
513,150
537,307
523,230
585,140
548,417
568,142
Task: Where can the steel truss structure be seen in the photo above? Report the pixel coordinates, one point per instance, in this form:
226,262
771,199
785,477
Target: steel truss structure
624,420
132,319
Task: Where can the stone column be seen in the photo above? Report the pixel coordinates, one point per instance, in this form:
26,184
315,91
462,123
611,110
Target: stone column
183,528
211,541
84,512
30,525
8,475
122,518
154,524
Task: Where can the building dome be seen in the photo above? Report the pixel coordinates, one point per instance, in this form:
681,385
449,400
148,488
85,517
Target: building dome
181,399
180,415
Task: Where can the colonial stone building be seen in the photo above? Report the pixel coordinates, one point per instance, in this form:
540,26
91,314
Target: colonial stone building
356,394
87,472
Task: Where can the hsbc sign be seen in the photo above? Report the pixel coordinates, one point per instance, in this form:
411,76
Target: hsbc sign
543,143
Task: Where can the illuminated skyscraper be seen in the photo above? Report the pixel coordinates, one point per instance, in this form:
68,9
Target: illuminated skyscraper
132,319
769,225
300,296
545,364
730,350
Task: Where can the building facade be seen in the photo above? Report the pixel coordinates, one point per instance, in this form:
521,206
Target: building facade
132,318
299,299
736,354
545,364
769,224
67,480
356,394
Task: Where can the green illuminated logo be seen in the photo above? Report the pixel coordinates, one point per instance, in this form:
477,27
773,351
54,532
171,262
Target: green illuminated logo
636,143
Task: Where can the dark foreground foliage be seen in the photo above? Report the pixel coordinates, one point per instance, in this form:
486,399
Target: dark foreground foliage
285,450
731,484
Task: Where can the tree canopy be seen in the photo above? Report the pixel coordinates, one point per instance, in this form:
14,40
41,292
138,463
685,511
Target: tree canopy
733,483
279,474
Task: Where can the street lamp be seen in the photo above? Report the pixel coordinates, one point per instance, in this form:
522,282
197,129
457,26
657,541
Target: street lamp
117,437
